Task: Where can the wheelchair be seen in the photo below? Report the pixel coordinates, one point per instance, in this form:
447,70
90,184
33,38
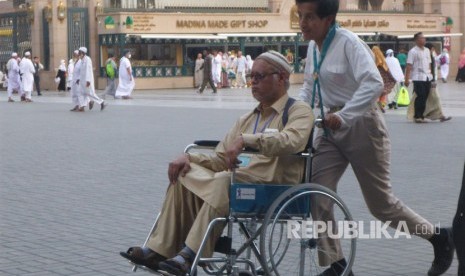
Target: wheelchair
270,229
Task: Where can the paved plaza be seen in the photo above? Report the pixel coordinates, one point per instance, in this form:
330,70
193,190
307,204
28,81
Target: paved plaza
77,188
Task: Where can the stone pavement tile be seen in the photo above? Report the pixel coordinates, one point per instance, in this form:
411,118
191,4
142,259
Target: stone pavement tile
95,181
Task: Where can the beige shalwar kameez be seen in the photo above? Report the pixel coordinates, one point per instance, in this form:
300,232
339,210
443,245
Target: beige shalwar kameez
203,194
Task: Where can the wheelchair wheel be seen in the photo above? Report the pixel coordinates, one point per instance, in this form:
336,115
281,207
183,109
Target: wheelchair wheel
305,211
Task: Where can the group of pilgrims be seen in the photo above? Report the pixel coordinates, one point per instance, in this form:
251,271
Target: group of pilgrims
21,79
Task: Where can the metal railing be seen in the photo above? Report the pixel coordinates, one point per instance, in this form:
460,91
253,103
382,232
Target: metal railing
187,5
386,6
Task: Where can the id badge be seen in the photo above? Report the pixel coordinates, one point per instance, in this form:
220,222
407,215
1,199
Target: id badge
245,160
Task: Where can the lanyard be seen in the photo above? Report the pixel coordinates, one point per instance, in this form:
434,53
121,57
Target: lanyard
317,66
267,123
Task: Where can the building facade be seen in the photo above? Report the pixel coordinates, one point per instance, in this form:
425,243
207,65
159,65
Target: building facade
165,36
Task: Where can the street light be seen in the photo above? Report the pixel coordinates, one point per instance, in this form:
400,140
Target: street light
61,11
98,10
30,12
48,13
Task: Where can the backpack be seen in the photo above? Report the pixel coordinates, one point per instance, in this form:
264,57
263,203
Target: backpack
110,70
442,60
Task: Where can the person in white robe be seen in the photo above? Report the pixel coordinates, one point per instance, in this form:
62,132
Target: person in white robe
444,60
69,81
27,70
74,72
13,76
126,80
396,71
86,82
216,68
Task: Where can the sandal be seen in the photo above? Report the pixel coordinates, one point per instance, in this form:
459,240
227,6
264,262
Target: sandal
176,268
147,258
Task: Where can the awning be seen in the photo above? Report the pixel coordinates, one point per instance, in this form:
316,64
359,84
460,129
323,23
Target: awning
403,35
209,36
179,36
257,34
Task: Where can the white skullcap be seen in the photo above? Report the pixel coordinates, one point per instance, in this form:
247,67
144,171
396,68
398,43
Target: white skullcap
276,59
27,53
389,51
83,49
71,61
14,54
76,52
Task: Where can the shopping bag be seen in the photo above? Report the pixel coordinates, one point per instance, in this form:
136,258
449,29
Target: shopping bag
57,79
403,98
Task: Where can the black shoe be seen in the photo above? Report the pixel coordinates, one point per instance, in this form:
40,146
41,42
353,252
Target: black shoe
91,105
39,94
444,247
139,256
102,106
336,269
176,268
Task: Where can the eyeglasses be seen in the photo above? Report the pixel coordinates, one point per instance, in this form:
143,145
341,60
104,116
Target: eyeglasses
258,77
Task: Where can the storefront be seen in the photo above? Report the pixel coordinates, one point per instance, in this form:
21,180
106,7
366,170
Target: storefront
164,45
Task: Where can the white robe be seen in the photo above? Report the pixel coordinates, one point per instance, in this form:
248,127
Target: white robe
216,69
75,88
395,69
86,75
13,76
444,67
69,82
27,70
397,73
126,83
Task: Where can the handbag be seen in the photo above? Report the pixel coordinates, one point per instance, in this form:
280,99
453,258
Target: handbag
57,80
403,98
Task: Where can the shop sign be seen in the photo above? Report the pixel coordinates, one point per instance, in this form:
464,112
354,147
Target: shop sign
221,24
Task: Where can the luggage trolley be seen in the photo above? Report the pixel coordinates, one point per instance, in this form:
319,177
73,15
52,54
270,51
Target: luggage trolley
284,229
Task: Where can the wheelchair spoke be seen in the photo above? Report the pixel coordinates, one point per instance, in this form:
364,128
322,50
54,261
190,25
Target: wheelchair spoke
289,215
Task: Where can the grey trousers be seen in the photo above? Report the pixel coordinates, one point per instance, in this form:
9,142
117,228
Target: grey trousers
365,145
111,87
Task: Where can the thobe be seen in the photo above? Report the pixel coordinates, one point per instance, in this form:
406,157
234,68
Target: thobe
198,78
76,95
13,76
216,69
87,75
203,194
126,83
398,74
27,70
69,82
444,67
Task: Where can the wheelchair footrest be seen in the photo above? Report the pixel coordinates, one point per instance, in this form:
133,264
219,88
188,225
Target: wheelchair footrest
223,245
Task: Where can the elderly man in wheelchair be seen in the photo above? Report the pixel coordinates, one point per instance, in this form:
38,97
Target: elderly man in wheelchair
278,128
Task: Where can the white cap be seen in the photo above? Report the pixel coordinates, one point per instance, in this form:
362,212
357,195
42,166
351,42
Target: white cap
14,55
76,52
83,49
389,51
27,54
276,59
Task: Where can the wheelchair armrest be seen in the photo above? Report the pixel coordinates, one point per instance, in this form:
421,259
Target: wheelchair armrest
207,143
